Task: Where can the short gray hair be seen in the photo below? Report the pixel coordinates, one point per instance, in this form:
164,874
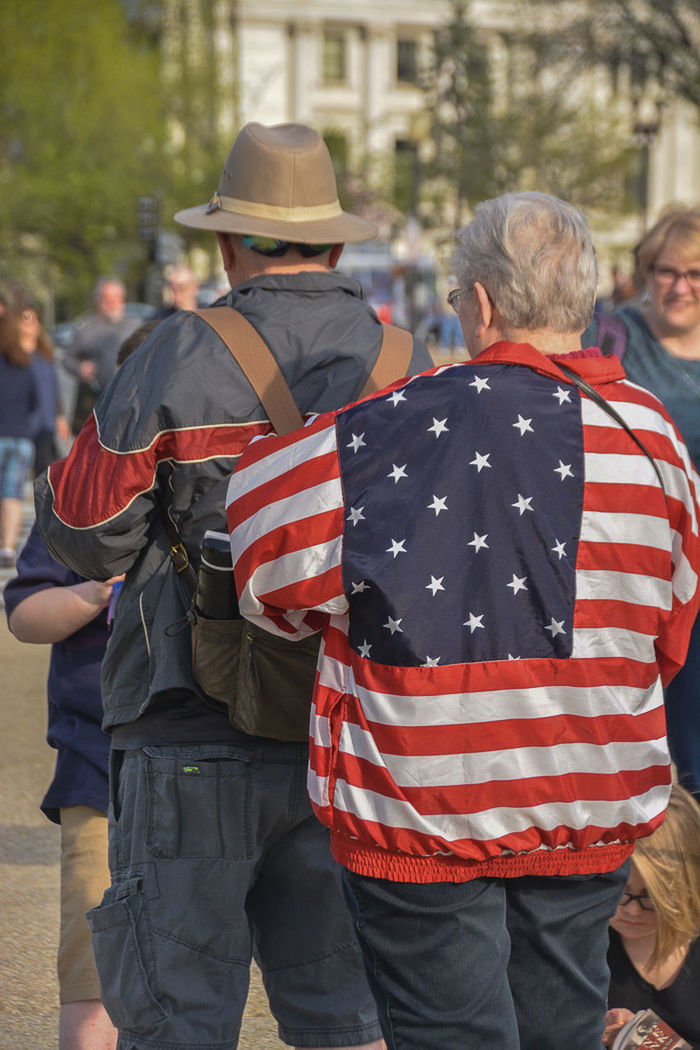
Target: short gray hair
535,257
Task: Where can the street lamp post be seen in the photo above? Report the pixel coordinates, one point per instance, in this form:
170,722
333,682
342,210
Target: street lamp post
646,127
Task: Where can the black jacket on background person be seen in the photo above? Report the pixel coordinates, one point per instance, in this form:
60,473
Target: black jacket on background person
677,1005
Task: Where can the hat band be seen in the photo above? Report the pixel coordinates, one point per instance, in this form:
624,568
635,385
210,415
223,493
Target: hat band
272,211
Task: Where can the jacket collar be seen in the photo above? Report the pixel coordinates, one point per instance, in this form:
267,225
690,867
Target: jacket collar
306,281
595,370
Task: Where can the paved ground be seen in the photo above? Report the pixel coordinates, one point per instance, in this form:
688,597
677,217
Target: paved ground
29,872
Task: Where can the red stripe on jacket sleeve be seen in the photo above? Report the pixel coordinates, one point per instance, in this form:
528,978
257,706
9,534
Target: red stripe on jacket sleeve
107,481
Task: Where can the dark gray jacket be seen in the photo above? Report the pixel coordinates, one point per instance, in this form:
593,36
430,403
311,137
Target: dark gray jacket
170,427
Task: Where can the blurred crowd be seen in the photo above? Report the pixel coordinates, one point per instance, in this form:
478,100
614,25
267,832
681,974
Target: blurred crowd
50,381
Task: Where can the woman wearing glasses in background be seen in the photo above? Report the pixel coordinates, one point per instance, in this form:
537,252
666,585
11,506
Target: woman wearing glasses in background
654,954
660,349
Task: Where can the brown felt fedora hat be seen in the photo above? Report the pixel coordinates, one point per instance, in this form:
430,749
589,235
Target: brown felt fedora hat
279,182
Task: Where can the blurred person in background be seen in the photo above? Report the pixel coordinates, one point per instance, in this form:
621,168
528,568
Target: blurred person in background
19,400
49,421
658,341
624,290
48,604
92,356
133,341
451,338
654,953
182,287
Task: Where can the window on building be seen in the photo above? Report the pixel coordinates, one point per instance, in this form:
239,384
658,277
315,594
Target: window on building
406,60
333,63
406,176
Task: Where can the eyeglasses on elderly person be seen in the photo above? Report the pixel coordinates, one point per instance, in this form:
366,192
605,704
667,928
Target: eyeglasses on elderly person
456,295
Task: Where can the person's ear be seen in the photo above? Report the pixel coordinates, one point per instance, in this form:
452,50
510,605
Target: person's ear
334,257
485,309
227,250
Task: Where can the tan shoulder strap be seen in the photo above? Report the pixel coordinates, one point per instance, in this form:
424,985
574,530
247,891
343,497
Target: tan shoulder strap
264,375
393,361
258,365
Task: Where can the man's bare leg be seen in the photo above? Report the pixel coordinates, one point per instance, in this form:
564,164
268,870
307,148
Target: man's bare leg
11,511
84,1025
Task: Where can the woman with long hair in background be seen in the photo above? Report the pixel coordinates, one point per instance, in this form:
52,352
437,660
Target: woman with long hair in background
19,400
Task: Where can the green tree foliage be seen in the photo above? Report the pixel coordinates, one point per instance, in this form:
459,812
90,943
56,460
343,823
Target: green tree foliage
198,100
80,140
658,40
513,126
460,97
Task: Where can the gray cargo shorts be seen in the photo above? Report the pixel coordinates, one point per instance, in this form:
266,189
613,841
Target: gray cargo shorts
216,857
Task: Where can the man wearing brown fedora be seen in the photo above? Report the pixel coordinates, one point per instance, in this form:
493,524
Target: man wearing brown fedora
215,855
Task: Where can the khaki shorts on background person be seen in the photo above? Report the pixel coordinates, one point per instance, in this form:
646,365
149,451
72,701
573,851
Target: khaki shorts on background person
84,878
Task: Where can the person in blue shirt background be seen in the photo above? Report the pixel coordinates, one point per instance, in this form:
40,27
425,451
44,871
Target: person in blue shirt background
48,421
18,402
46,603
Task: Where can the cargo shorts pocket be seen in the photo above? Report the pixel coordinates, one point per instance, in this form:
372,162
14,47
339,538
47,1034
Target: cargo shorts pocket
199,803
124,956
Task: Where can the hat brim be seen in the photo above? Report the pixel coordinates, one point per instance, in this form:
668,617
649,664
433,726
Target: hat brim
341,228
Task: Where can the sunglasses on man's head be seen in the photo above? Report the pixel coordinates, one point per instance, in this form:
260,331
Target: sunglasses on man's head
274,248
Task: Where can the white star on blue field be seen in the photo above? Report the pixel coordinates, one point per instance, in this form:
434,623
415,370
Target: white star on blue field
463,501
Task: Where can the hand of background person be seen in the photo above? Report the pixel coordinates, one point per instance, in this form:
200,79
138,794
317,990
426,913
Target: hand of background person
98,593
614,1021
51,614
87,370
63,429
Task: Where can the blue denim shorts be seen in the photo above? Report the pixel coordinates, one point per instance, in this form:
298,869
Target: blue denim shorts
216,857
16,457
508,964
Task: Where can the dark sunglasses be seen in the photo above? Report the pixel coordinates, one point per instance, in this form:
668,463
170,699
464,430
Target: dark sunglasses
275,249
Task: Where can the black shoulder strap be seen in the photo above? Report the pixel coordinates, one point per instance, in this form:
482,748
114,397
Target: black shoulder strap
607,407
178,551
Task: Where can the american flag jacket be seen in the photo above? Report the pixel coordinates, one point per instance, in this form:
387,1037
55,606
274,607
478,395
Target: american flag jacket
504,588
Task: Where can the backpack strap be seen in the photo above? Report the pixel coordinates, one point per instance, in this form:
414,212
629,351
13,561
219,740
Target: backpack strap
177,551
264,375
607,407
611,335
258,365
393,360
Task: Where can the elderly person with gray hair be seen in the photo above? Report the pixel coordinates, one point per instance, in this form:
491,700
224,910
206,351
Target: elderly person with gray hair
504,556
182,287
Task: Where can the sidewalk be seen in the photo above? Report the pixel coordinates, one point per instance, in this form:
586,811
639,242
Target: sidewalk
29,861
